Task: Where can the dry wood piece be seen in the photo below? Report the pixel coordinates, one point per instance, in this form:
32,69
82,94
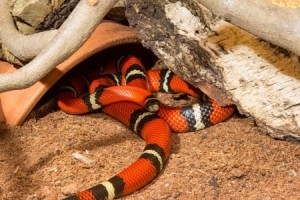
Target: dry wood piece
278,25
82,158
57,17
287,3
261,79
74,31
24,47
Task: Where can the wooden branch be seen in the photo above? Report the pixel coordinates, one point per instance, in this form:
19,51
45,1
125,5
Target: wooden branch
278,25
261,79
76,29
24,47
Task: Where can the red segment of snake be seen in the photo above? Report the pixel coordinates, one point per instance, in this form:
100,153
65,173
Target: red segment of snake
126,104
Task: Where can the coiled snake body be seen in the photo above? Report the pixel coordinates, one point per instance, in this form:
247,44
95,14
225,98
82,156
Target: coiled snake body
125,93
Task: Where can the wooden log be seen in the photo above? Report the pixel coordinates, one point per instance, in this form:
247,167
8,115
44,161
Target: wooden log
263,80
276,24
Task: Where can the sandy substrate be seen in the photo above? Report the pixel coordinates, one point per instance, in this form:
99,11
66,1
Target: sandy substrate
232,160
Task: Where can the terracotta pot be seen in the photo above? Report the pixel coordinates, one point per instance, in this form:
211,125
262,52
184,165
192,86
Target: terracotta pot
17,104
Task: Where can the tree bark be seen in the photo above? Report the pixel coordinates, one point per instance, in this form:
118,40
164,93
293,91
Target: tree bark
276,24
263,80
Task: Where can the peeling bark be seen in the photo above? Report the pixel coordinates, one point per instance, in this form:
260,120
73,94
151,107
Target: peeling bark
261,79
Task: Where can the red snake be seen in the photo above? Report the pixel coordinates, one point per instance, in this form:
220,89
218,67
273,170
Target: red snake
124,92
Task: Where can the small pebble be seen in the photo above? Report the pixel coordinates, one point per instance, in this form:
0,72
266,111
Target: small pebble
69,189
262,173
237,173
293,173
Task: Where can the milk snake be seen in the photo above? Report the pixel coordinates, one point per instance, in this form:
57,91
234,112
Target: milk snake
124,92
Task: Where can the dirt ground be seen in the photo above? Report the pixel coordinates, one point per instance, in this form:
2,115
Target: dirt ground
232,160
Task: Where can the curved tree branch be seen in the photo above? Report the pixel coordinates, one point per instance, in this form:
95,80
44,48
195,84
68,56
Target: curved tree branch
72,34
18,44
278,25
